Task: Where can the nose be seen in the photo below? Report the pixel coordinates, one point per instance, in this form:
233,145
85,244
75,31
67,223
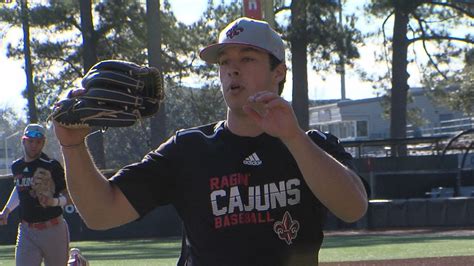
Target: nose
234,73
233,70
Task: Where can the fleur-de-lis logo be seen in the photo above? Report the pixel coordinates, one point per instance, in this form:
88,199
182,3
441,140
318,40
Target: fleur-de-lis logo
234,31
286,229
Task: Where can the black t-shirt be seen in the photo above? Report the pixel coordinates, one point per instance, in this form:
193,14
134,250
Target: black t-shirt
243,200
30,208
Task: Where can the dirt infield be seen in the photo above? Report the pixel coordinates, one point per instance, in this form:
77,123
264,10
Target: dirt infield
431,261
441,261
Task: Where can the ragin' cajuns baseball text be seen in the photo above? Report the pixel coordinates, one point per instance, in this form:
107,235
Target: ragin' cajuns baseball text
235,202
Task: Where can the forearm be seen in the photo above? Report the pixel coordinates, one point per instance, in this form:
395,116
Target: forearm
13,201
99,203
334,184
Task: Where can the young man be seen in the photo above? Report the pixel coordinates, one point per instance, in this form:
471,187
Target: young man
251,190
42,232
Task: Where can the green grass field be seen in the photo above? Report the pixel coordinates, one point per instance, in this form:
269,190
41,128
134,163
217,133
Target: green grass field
163,252
384,247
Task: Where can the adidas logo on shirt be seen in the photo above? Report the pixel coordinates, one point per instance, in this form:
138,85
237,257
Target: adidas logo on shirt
252,160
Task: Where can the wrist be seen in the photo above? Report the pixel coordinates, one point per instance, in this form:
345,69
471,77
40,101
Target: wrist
60,201
73,146
294,138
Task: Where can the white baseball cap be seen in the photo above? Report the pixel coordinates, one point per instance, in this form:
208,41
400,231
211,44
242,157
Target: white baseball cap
246,31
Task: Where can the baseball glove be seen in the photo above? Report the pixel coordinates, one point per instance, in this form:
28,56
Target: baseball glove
116,94
42,183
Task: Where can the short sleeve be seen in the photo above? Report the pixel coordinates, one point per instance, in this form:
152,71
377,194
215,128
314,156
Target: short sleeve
331,144
151,182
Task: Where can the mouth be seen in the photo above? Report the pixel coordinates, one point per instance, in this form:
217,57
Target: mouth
235,87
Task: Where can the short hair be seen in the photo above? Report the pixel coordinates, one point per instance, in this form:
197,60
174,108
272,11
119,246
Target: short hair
274,62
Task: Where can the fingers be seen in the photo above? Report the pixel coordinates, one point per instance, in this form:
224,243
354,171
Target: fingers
70,128
70,136
76,92
72,93
257,107
263,97
268,99
82,131
263,101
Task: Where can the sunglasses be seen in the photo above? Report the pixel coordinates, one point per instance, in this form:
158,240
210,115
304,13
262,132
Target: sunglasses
34,134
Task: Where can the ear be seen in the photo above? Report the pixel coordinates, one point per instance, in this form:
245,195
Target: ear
280,72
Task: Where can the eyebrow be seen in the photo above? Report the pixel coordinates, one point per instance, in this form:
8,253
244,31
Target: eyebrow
250,49
245,49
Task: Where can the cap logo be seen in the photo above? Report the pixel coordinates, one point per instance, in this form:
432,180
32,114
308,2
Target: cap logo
234,31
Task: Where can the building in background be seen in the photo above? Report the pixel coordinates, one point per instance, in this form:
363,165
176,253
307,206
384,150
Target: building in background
363,119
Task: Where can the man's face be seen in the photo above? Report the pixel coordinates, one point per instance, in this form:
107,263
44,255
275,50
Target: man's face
244,71
33,147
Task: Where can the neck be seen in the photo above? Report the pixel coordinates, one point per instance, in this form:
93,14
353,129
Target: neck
242,125
30,159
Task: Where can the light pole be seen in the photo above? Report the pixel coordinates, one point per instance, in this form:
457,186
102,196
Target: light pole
6,149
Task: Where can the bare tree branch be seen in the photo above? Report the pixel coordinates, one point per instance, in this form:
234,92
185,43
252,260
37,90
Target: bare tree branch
439,37
385,39
74,22
383,26
423,34
462,10
71,64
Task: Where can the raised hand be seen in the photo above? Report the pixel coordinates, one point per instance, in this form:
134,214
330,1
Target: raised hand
273,114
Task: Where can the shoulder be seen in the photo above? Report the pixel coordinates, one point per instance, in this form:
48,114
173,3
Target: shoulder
17,162
47,160
184,141
329,143
209,131
323,137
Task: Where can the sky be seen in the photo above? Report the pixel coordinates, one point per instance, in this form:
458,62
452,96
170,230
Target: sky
320,86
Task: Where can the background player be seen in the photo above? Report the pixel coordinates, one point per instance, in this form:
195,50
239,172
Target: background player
251,190
42,232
